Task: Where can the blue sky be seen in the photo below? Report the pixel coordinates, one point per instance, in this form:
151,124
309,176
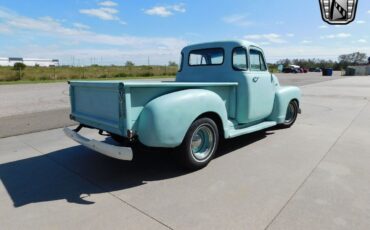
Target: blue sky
112,32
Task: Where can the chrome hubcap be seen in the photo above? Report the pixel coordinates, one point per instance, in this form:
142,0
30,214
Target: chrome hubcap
202,142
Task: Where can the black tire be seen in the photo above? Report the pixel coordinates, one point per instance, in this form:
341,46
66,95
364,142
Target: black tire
291,114
200,144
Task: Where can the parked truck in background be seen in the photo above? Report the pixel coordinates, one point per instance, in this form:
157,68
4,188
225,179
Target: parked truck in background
222,90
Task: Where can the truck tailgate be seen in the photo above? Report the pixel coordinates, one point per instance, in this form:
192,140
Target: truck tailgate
99,105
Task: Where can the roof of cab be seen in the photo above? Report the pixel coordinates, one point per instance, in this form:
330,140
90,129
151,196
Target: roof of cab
220,44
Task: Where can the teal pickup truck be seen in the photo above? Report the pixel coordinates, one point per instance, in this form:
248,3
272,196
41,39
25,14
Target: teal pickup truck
222,90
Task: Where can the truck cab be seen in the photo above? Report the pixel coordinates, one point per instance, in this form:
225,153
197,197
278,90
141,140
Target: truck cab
222,90
234,61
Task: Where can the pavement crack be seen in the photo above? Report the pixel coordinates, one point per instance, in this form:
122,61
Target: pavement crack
103,190
314,168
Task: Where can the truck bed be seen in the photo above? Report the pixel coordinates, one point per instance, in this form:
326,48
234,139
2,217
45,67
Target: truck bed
115,106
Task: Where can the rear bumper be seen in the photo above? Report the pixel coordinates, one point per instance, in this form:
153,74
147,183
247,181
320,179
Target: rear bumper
120,153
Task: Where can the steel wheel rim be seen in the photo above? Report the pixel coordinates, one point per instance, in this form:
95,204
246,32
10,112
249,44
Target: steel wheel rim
290,113
202,142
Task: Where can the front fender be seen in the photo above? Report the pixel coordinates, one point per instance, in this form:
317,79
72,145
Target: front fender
165,120
282,98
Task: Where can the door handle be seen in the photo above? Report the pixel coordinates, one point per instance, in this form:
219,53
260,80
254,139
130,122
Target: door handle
255,79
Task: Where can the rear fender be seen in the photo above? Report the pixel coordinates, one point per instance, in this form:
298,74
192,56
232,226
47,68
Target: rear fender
282,98
165,120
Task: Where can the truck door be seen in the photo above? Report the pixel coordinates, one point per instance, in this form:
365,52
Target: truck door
261,90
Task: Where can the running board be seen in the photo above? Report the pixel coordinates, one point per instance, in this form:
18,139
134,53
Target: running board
261,126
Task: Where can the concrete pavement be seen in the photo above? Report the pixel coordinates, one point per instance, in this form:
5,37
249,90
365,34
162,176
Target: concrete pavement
30,98
27,108
312,176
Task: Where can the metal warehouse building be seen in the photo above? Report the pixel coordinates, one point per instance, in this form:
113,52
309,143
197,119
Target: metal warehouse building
29,61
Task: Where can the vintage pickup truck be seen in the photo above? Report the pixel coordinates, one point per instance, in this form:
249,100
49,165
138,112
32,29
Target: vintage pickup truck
222,90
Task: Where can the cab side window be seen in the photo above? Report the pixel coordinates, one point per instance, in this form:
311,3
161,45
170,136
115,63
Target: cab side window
240,61
257,61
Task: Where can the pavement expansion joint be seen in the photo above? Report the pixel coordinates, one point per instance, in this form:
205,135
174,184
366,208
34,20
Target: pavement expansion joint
315,167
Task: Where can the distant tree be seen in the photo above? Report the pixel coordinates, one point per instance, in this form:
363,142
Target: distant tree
286,62
19,66
353,58
129,64
343,61
172,63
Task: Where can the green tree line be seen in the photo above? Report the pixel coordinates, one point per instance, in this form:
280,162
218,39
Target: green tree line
341,63
36,73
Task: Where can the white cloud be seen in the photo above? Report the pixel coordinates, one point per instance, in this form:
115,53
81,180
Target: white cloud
362,41
237,19
333,36
108,3
5,29
306,42
264,43
323,27
165,11
81,26
107,12
290,35
102,13
165,48
159,11
178,7
360,22
272,38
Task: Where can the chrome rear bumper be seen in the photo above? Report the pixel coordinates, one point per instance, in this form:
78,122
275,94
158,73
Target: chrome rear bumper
120,153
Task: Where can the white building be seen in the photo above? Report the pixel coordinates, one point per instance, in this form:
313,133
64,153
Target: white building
4,61
29,61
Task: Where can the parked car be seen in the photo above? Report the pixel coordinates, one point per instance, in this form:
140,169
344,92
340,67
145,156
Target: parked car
314,69
290,70
222,90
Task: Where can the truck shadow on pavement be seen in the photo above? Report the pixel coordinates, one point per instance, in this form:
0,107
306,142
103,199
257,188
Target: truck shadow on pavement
75,173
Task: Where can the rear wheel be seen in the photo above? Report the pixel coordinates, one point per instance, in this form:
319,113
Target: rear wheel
200,144
291,114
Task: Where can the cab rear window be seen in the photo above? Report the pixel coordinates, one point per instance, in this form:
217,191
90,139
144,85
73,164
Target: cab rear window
214,56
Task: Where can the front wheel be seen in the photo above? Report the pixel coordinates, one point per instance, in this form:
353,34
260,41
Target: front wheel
291,114
200,144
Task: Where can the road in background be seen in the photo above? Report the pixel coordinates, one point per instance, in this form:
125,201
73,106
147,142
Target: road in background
29,108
